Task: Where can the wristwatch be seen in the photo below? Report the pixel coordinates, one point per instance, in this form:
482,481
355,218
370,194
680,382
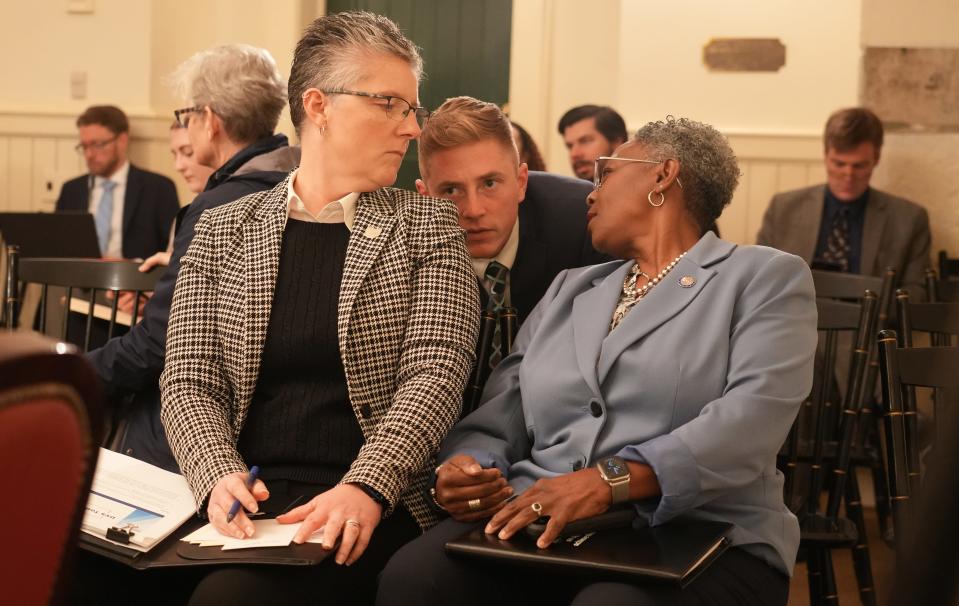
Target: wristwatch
614,471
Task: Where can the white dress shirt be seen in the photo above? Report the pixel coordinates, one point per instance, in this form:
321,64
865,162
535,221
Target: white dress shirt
506,256
338,211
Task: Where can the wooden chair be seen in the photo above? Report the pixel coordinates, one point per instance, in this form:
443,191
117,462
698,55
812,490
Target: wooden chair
49,432
92,275
904,369
948,268
823,531
941,290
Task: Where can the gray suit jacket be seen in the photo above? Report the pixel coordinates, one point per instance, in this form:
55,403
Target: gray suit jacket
895,233
701,383
407,322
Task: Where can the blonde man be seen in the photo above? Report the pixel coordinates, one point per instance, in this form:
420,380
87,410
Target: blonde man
533,223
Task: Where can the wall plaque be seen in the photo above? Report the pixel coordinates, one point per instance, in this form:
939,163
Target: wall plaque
744,54
916,88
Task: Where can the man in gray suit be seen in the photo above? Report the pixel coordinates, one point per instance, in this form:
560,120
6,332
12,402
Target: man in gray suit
844,224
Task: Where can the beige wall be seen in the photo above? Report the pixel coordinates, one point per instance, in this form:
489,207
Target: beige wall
922,166
126,48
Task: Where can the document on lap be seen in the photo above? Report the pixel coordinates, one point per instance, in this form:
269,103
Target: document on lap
135,504
267,533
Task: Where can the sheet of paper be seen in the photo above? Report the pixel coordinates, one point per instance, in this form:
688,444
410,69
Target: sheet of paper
266,533
138,497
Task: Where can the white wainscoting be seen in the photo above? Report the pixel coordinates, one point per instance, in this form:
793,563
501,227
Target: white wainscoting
37,155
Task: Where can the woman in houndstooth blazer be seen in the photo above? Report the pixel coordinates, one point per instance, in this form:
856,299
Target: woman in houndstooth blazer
402,327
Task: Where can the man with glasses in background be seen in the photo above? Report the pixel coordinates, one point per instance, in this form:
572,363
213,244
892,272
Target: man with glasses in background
132,208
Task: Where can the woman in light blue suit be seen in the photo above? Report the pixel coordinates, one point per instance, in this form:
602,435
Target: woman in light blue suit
682,368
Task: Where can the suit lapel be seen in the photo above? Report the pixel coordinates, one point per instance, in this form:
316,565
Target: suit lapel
262,241
375,220
664,301
132,198
807,232
873,225
529,270
589,328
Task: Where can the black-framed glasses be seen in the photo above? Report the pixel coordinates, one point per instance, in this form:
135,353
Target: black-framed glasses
94,145
599,168
397,108
183,115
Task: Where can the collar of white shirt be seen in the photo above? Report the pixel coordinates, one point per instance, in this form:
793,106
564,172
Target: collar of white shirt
119,177
506,255
338,211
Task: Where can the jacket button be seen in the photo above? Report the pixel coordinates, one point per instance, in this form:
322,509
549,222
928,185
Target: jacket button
577,465
129,451
365,411
595,409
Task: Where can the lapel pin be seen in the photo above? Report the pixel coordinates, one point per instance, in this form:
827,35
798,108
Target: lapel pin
373,231
687,281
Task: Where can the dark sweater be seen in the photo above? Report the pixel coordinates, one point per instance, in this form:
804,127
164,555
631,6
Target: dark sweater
301,425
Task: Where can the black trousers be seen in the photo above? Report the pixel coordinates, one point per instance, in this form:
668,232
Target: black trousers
101,581
421,573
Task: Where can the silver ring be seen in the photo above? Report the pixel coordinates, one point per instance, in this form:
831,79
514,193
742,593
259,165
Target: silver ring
352,522
537,508
473,504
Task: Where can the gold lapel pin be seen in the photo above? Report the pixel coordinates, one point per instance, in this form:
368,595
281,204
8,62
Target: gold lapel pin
687,281
373,231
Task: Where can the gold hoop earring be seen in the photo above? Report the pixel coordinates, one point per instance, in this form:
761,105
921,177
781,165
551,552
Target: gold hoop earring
662,198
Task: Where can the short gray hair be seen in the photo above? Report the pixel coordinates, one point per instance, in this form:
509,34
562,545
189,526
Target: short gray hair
328,55
240,83
708,167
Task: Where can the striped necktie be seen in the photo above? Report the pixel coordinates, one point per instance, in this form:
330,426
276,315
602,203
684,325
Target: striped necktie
496,275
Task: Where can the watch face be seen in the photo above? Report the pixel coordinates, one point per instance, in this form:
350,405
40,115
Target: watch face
614,467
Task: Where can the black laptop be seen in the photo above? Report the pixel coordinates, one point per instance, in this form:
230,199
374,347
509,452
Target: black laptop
61,234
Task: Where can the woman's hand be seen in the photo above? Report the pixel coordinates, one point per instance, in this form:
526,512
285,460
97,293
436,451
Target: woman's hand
161,258
566,498
344,512
461,480
228,489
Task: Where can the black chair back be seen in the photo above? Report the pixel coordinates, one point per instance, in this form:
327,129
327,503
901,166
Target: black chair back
903,369
948,268
93,275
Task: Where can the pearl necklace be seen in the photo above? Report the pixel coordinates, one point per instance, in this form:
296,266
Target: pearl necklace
633,294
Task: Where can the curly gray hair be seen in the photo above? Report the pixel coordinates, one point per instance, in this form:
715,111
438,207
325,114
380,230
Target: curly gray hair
240,83
708,167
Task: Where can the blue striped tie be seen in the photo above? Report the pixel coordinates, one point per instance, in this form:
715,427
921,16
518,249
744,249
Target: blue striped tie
104,216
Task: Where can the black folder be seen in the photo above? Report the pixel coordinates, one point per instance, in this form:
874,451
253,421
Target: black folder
174,552
675,552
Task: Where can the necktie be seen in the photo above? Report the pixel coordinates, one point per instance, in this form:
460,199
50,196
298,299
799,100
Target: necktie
104,216
837,244
496,274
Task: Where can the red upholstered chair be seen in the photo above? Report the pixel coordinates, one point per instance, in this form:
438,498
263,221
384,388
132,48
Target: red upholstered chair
50,426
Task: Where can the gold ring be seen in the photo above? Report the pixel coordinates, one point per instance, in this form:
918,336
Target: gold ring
474,504
352,522
537,508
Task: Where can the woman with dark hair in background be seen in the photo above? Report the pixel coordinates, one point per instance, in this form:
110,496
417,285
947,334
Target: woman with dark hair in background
528,151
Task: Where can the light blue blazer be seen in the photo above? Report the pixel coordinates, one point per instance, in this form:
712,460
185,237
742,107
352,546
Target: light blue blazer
700,382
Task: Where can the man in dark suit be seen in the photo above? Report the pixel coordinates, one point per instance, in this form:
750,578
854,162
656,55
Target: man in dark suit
532,223
132,208
845,224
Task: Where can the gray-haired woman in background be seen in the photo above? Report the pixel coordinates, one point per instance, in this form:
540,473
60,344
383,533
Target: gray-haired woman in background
324,330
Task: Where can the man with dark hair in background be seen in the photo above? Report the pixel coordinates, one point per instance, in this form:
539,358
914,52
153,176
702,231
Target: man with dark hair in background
132,208
591,131
844,224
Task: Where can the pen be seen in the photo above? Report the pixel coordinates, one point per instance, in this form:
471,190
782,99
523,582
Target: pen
235,508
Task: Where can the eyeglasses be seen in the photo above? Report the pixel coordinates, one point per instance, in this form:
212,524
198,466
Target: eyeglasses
183,115
599,168
94,145
397,108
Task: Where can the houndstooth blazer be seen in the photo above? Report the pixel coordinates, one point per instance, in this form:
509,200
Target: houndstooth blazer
407,320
